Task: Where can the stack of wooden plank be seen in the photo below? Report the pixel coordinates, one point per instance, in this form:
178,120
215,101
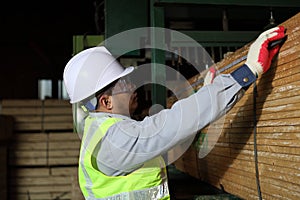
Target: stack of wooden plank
39,115
43,150
44,183
231,164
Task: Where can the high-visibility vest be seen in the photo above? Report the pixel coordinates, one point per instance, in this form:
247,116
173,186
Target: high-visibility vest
146,183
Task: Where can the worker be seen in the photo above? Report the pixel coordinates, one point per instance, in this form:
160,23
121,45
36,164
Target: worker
122,158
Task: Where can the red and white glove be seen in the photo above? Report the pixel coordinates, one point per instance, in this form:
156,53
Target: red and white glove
210,75
259,57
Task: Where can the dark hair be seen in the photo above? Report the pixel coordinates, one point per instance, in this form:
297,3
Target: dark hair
106,90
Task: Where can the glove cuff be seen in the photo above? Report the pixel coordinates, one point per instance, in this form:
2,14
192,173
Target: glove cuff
244,76
256,70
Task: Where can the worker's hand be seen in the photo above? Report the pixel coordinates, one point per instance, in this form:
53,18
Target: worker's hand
260,55
210,75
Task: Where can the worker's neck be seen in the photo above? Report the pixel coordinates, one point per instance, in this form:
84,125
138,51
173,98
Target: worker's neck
102,109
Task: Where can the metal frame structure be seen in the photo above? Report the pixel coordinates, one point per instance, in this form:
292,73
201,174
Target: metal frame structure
266,3
206,38
81,42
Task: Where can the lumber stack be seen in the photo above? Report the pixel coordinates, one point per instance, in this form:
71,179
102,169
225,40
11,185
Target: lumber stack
230,165
43,151
44,183
39,115
44,166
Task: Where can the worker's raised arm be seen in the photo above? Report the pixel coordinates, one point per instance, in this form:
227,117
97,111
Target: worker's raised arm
130,143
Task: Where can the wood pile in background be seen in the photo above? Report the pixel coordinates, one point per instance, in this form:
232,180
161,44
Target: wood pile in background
230,165
39,115
43,151
44,183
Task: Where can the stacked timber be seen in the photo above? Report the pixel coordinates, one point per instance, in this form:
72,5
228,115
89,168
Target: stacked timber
39,115
43,151
231,163
44,183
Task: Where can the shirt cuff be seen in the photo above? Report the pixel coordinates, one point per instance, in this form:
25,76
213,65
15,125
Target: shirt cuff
244,76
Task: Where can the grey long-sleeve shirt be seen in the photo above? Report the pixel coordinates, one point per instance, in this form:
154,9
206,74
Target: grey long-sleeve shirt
129,143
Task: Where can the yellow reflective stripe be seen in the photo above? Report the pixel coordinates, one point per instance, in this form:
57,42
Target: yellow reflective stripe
100,132
97,135
82,171
108,123
89,141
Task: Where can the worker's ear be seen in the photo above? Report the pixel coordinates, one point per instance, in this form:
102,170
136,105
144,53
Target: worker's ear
105,101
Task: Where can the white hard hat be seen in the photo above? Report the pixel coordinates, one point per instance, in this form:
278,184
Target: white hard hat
91,70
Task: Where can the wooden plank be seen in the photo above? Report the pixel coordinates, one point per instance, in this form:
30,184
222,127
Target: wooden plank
22,110
62,161
64,153
28,154
39,181
44,196
28,126
21,103
40,118
57,111
58,118
64,145
57,103
59,188
30,172
28,162
63,136
58,126
62,171
28,119
30,137
28,146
